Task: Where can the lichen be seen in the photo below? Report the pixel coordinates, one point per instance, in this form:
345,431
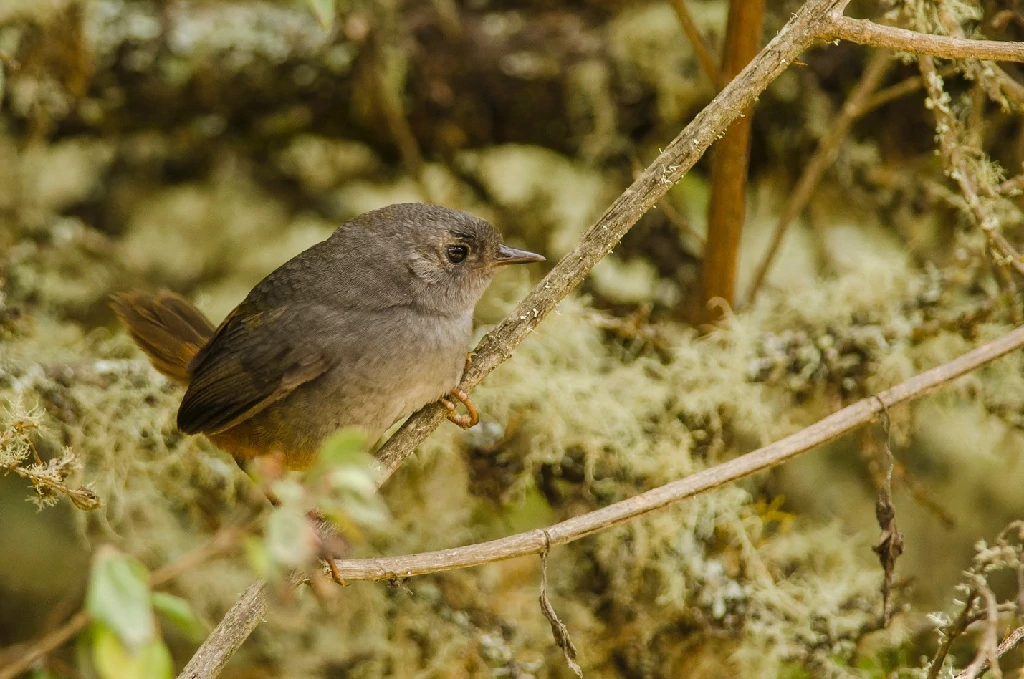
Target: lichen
612,395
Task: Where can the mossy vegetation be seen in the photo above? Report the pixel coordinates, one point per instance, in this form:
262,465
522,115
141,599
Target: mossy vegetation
196,146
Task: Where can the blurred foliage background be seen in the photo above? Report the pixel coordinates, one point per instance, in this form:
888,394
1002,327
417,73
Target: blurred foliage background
198,145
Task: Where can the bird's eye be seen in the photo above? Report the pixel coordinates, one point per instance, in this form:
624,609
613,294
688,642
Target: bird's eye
456,253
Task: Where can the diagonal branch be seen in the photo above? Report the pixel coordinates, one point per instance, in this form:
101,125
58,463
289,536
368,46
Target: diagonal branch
1012,640
802,31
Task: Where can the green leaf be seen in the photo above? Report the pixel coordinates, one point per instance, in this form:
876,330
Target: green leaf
118,596
113,660
178,612
358,480
290,540
346,447
43,673
289,492
323,10
348,479
354,491
257,556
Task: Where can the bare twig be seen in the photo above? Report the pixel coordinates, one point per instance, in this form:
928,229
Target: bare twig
980,604
822,159
234,628
558,628
670,165
823,431
922,497
700,47
45,645
988,653
1012,640
864,32
223,542
887,94
951,632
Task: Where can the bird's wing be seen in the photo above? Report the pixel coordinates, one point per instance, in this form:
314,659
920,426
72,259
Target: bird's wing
258,356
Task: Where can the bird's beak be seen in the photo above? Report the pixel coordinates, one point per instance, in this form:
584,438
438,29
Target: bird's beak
507,255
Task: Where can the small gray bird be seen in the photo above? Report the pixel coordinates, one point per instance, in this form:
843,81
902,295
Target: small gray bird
359,330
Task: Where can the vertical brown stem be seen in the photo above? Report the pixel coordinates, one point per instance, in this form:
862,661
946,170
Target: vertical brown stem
729,168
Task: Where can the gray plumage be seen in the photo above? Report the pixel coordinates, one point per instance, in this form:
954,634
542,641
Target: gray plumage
360,329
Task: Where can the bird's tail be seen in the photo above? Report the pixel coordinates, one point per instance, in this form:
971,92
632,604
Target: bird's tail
167,327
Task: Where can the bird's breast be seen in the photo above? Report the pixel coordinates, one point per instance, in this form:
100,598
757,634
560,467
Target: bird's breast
410,360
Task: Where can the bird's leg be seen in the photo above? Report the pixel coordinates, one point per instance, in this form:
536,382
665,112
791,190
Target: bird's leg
464,420
332,543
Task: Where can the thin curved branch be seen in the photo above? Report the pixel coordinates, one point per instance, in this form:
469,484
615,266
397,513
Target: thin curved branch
803,30
807,27
1012,640
49,643
823,431
234,628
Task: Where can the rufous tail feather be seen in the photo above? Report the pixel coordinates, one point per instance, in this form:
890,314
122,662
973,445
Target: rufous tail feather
167,327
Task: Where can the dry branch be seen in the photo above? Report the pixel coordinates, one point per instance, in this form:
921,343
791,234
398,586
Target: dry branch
677,159
50,642
234,628
1012,640
950,633
802,31
864,32
823,431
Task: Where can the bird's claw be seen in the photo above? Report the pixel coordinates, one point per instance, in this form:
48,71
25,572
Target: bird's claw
464,420
335,575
